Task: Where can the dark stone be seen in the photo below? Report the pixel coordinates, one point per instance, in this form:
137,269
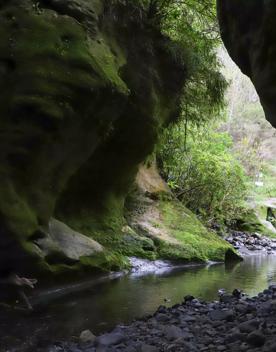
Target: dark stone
226,298
173,332
162,309
237,336
272,288
231,256
218,314
237,293
161,317
110,339
188,298
188,318
129,349
249,326
256,339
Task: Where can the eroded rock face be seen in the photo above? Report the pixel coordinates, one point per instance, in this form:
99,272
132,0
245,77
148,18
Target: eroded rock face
248,31
85,88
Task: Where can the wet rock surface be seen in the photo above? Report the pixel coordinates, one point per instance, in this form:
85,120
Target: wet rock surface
248,243
239,324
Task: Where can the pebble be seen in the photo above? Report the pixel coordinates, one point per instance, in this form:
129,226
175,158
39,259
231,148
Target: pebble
110,339
222,315
249,326
256,339
86,337
173,332
162,317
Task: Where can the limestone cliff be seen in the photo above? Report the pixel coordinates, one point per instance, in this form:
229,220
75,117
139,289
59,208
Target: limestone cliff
248,31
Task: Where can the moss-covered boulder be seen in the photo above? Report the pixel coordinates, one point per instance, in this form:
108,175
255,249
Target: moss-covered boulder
86,87
259,218
253,222
175,232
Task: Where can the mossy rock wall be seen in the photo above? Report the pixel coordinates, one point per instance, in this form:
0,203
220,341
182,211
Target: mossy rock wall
86,87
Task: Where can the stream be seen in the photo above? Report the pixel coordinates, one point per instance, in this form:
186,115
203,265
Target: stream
62,314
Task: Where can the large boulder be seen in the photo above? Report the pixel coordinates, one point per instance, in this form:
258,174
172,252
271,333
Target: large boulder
177,234
248,31
59,241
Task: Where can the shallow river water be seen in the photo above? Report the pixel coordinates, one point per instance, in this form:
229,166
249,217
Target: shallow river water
100,307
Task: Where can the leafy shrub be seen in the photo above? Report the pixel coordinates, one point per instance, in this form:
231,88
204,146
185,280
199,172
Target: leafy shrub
202,171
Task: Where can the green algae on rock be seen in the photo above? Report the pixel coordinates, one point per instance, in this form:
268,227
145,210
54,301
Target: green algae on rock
175,231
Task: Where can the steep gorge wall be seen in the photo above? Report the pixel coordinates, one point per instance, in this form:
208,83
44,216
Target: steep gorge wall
85,88
248,31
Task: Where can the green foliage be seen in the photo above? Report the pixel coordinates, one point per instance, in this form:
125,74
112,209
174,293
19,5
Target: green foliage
193,25
202,171
193,28
194,36
195,242
269,185
250,156
196,162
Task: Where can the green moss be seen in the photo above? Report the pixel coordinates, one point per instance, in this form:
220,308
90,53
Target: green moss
190,241
134,245
56,49
251,221
54,79
19,218
195,241
117,238
107,261
64,89
102,262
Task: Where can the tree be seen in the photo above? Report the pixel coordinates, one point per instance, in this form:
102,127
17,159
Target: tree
204,174
193,25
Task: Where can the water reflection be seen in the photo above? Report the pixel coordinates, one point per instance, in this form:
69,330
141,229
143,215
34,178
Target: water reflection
101,307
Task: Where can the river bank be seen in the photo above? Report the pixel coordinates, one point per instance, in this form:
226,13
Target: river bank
56,323
251,243
62,313
235,323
